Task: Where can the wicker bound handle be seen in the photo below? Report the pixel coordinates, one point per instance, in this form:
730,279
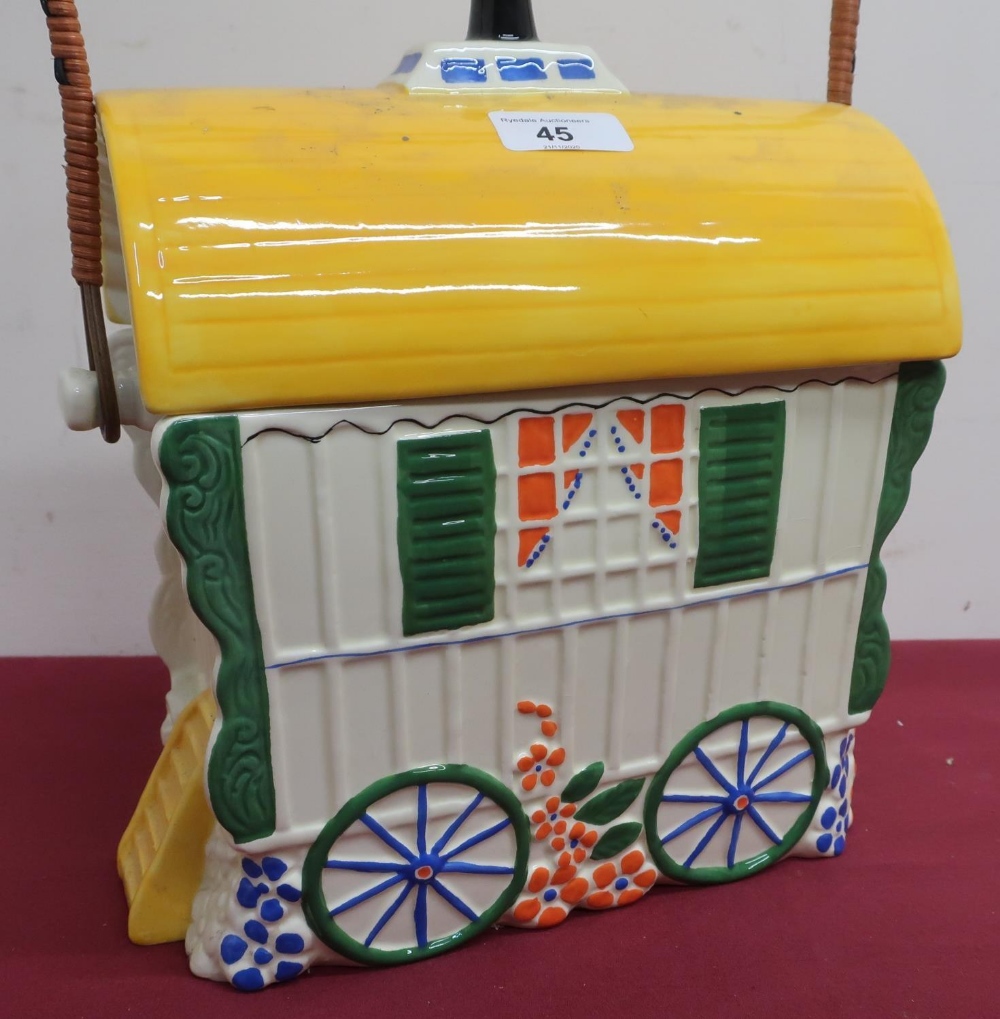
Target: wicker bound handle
83,181
844,21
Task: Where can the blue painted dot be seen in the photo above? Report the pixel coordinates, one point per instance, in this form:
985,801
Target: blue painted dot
553,817
624,470
621,449
614,429
247,893
529,564
587,444
566,504
250,868
546,539
829,816
549,895
631,488
638,495
262,957
288,970
273,867
621,884
255,931
843,809
592,432
232,949
655,525
843,786
538,767
573,843
843,746
289,893
835,778
248,980
840,827
824,842
577,481
838,846
290,944
272,910
673,544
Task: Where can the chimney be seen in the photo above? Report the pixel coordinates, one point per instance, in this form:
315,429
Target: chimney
504,20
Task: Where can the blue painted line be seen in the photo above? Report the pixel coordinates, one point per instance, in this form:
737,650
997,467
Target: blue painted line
442,842
454,901
771,747
610,618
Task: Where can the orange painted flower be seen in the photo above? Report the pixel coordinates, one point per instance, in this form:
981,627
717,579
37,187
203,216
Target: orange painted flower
622,884
549,890
538,765
576,842
552,818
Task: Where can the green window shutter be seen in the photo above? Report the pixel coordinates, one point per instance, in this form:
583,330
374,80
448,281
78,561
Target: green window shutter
446,530
739,486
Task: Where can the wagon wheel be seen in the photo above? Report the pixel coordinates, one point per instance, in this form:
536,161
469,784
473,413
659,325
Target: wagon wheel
416,864
736,793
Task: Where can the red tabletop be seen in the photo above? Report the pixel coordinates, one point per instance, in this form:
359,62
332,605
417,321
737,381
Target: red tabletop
905,924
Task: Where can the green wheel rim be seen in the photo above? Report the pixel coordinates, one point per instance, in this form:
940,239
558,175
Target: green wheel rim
488,790
732,794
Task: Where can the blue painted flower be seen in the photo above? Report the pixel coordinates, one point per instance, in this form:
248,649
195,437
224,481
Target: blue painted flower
836,819
253,945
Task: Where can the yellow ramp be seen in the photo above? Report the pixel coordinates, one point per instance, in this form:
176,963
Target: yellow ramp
162,854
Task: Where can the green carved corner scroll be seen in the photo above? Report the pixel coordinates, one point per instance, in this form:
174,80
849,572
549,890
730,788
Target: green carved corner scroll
202,463
919,389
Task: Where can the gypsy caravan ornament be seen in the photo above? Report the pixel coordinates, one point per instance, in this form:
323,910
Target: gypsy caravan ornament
521,543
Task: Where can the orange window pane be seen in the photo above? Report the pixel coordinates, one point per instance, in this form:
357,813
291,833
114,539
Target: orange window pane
536,496
671,520
528,540
634,422
666,482
573,427
639,470
668,428
536,442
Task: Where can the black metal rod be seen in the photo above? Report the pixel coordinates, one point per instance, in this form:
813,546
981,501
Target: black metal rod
507,20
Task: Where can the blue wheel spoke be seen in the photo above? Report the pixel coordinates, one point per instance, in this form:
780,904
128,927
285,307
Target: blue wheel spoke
763,825
420,916
707,764
365,866
741,761
453,900
388,914
685,798
365,896
476,839
771,747
705,839
787,766
734,841
390,840
690,823
459,867
781,797
456,824
421,820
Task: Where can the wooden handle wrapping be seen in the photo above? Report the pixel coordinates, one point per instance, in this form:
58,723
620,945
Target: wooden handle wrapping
83,183
843,47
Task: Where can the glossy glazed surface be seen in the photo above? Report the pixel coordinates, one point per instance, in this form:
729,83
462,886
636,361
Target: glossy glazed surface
296,248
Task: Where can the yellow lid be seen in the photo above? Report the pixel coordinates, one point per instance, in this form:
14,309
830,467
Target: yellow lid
290,248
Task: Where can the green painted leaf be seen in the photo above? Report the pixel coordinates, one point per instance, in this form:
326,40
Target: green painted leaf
612,803
614,840
583,783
